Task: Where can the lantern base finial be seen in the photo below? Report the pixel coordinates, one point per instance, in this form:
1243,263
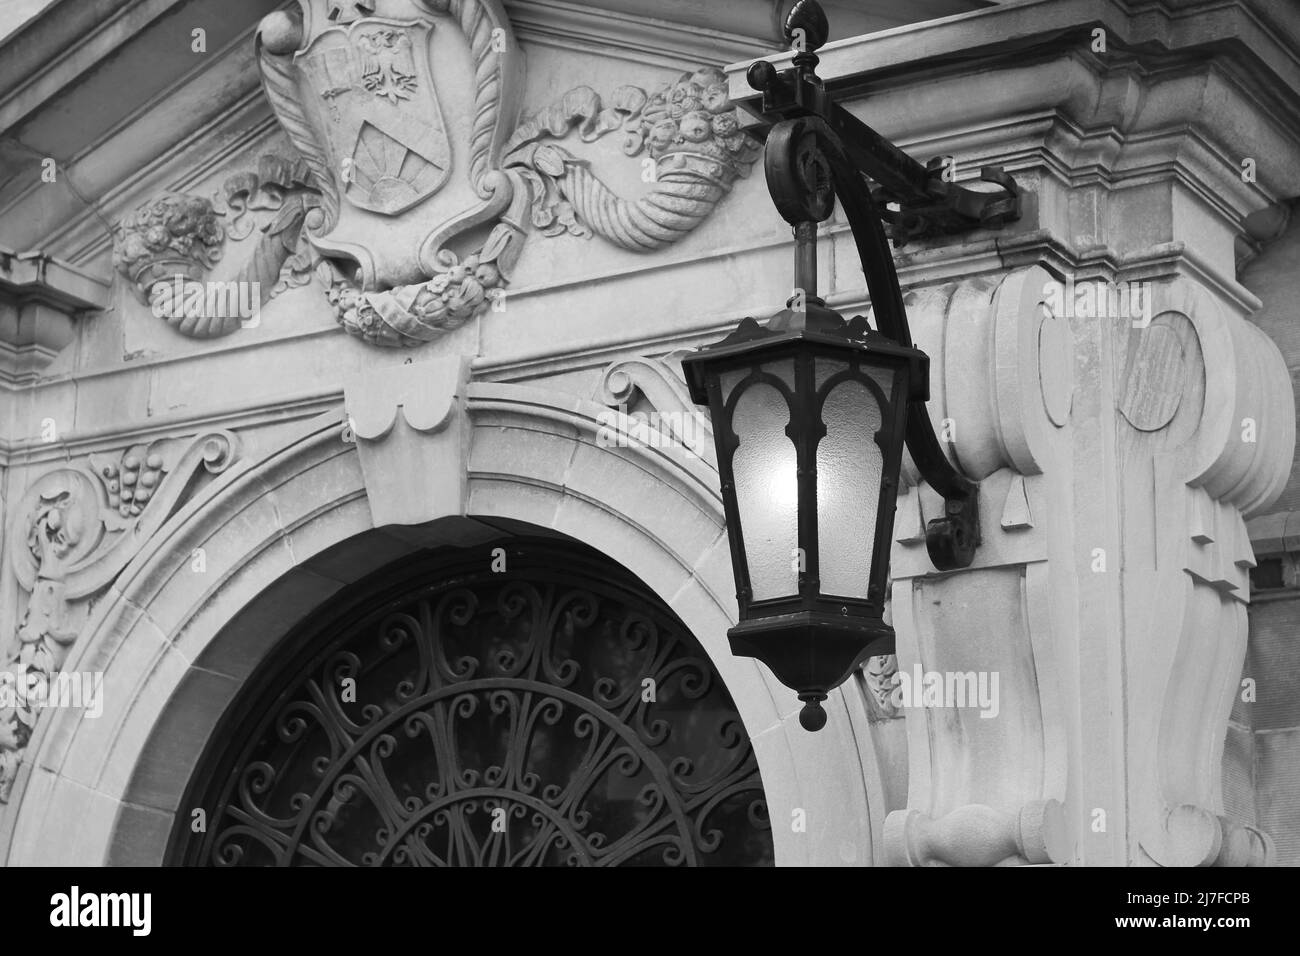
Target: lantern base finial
812,652
812,717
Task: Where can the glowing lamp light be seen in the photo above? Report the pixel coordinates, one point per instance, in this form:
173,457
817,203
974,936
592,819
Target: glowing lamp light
809,419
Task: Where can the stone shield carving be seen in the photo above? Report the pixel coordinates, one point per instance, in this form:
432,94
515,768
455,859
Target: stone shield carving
385,132
72,533
404,144
403,111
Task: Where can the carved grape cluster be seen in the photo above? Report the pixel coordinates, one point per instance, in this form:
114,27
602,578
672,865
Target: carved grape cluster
131,485
696,114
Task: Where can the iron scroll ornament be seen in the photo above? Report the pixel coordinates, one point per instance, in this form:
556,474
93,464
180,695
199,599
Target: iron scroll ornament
807,167
499,719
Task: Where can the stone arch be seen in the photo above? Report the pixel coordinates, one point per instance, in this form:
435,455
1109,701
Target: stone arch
282,534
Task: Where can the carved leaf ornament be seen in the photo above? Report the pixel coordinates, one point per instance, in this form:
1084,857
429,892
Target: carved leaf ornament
372,204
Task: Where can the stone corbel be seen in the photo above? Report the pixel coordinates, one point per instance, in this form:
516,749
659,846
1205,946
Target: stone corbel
1208,432
1145,645
40,300
408,422
987,780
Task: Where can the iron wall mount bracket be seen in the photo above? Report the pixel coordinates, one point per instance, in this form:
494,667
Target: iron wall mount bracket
929,202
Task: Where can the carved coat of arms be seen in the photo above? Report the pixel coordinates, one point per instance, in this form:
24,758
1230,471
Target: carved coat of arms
404,146
405,118
383,130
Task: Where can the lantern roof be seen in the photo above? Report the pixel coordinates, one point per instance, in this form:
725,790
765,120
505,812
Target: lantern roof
816,325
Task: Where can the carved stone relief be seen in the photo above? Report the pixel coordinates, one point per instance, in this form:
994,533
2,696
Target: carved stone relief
653,405
1200,402
73,532
172,242
690,130
399,169
880,675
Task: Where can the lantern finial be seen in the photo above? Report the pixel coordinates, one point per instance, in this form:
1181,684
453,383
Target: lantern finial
812,717
809,17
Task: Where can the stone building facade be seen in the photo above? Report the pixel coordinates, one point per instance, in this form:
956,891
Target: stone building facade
344,446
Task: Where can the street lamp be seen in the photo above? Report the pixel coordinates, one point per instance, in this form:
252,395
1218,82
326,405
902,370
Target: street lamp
809,417
811,411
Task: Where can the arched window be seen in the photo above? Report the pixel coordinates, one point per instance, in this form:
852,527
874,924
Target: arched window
523,703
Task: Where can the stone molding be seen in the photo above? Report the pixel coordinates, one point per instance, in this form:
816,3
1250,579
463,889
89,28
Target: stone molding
272,530
41,299
642,39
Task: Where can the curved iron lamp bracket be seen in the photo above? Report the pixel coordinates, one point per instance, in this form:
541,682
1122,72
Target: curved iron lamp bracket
808,164
928,202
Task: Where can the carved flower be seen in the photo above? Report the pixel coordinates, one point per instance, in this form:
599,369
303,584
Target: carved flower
183,219
696,126
56,529
725,124
183,225
695,110
209,231
707,76
348,297
681,107
742,146
662,134
134,246
716,100
9,730
429,307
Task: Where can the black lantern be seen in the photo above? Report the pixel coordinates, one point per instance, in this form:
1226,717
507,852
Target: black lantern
809,417
811,412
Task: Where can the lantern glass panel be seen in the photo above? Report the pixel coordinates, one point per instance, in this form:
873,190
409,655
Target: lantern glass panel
850,467
766,479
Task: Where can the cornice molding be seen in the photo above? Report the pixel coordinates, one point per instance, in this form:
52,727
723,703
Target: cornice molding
1171,25
120,161
63,44
641,39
